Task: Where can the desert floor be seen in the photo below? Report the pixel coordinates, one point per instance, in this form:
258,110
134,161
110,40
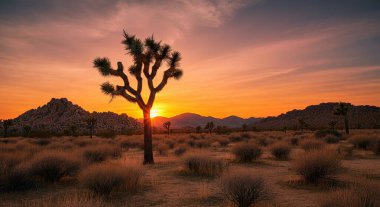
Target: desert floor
167,183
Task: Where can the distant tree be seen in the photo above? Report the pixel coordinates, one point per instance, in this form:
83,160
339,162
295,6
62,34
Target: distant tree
198,129
332,124
148,56
6,124
244,127
26,130
166,125
91,122
302,124
342,110
73,129
209,126
284,129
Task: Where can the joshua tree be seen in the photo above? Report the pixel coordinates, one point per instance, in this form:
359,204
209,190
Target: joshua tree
209,126
244,127
148,56
332,124
302,124
6,124
342,110
26,130
166,125
91,122
198,129
285,129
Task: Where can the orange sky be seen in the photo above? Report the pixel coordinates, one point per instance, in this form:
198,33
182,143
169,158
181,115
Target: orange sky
244,58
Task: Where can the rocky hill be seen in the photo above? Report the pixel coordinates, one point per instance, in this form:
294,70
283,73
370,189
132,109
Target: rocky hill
318,117
61,116
194,120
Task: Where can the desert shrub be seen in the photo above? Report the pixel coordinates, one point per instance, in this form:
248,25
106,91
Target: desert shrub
223,142
376,146
317,164
325,132
362,141
51,166
180,150
312,144
294,141
203,165
345,150
17,179
245,135
280,150
105,178
263,141
100,153
170,143
107,134
201,143
235,138
162,149
331,139
244,188
247,152
362,194
41,141
82,142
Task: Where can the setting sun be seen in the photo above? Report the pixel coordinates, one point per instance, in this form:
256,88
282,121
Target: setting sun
154,113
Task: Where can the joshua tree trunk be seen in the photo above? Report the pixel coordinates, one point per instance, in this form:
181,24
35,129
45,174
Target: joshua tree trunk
346,124
148,147
91,131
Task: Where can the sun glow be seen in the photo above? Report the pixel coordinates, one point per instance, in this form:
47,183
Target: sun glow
154,113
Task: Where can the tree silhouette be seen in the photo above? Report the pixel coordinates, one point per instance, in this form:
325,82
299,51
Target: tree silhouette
198,129
342,110
166,125
302,124
332,124
6,124
91,122
148,57
209,126
244,127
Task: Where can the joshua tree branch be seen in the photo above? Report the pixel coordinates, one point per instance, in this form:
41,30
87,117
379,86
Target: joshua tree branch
165,79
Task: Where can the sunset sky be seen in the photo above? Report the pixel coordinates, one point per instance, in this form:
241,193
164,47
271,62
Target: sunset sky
244,58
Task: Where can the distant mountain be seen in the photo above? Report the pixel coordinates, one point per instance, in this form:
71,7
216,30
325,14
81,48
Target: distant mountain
194,120
318,116
60,116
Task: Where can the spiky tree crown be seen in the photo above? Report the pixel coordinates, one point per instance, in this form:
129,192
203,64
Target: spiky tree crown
342,109
148,56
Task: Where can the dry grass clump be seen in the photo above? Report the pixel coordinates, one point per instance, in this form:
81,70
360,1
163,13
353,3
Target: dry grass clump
51,166
294,141
180,150
327,132
163,149
280,150
223,142
362,141
17,179
41,141
345,150
170,143
376,146
203,165
72,199
317,164
103,179
363,194
263,141
100,153
312,144
244,189
331,139
247,152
